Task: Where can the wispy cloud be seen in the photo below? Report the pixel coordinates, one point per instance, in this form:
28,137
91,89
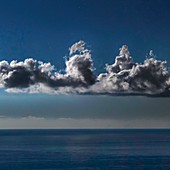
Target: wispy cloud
123,77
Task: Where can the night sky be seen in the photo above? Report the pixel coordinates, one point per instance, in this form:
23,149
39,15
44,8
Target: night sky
45,30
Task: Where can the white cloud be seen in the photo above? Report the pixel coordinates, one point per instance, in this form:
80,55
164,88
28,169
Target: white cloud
124,76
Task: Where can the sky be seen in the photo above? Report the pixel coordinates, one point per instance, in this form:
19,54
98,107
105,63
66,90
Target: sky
84,64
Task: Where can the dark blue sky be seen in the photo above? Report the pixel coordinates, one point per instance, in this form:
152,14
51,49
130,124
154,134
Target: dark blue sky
45,29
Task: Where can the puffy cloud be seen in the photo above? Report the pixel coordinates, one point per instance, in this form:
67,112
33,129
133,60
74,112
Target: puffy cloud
78,47
80,66
123,77
78,73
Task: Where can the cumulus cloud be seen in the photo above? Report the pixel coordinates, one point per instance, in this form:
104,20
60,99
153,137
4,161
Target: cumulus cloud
78,72
124,76
150,77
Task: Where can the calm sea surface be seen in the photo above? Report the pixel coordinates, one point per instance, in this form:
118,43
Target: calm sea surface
85,149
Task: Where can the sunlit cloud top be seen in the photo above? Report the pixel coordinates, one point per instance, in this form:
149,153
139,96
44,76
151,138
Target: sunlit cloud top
123,77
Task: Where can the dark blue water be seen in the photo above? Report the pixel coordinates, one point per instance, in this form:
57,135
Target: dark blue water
85,149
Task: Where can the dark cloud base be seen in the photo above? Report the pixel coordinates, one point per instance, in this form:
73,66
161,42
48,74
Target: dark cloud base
124,77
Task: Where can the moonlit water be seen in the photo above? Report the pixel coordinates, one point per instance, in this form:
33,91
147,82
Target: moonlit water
84,149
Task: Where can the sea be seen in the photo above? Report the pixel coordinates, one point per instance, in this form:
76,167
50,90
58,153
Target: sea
85,149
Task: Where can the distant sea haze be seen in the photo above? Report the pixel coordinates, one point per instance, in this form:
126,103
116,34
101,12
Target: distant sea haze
104,149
